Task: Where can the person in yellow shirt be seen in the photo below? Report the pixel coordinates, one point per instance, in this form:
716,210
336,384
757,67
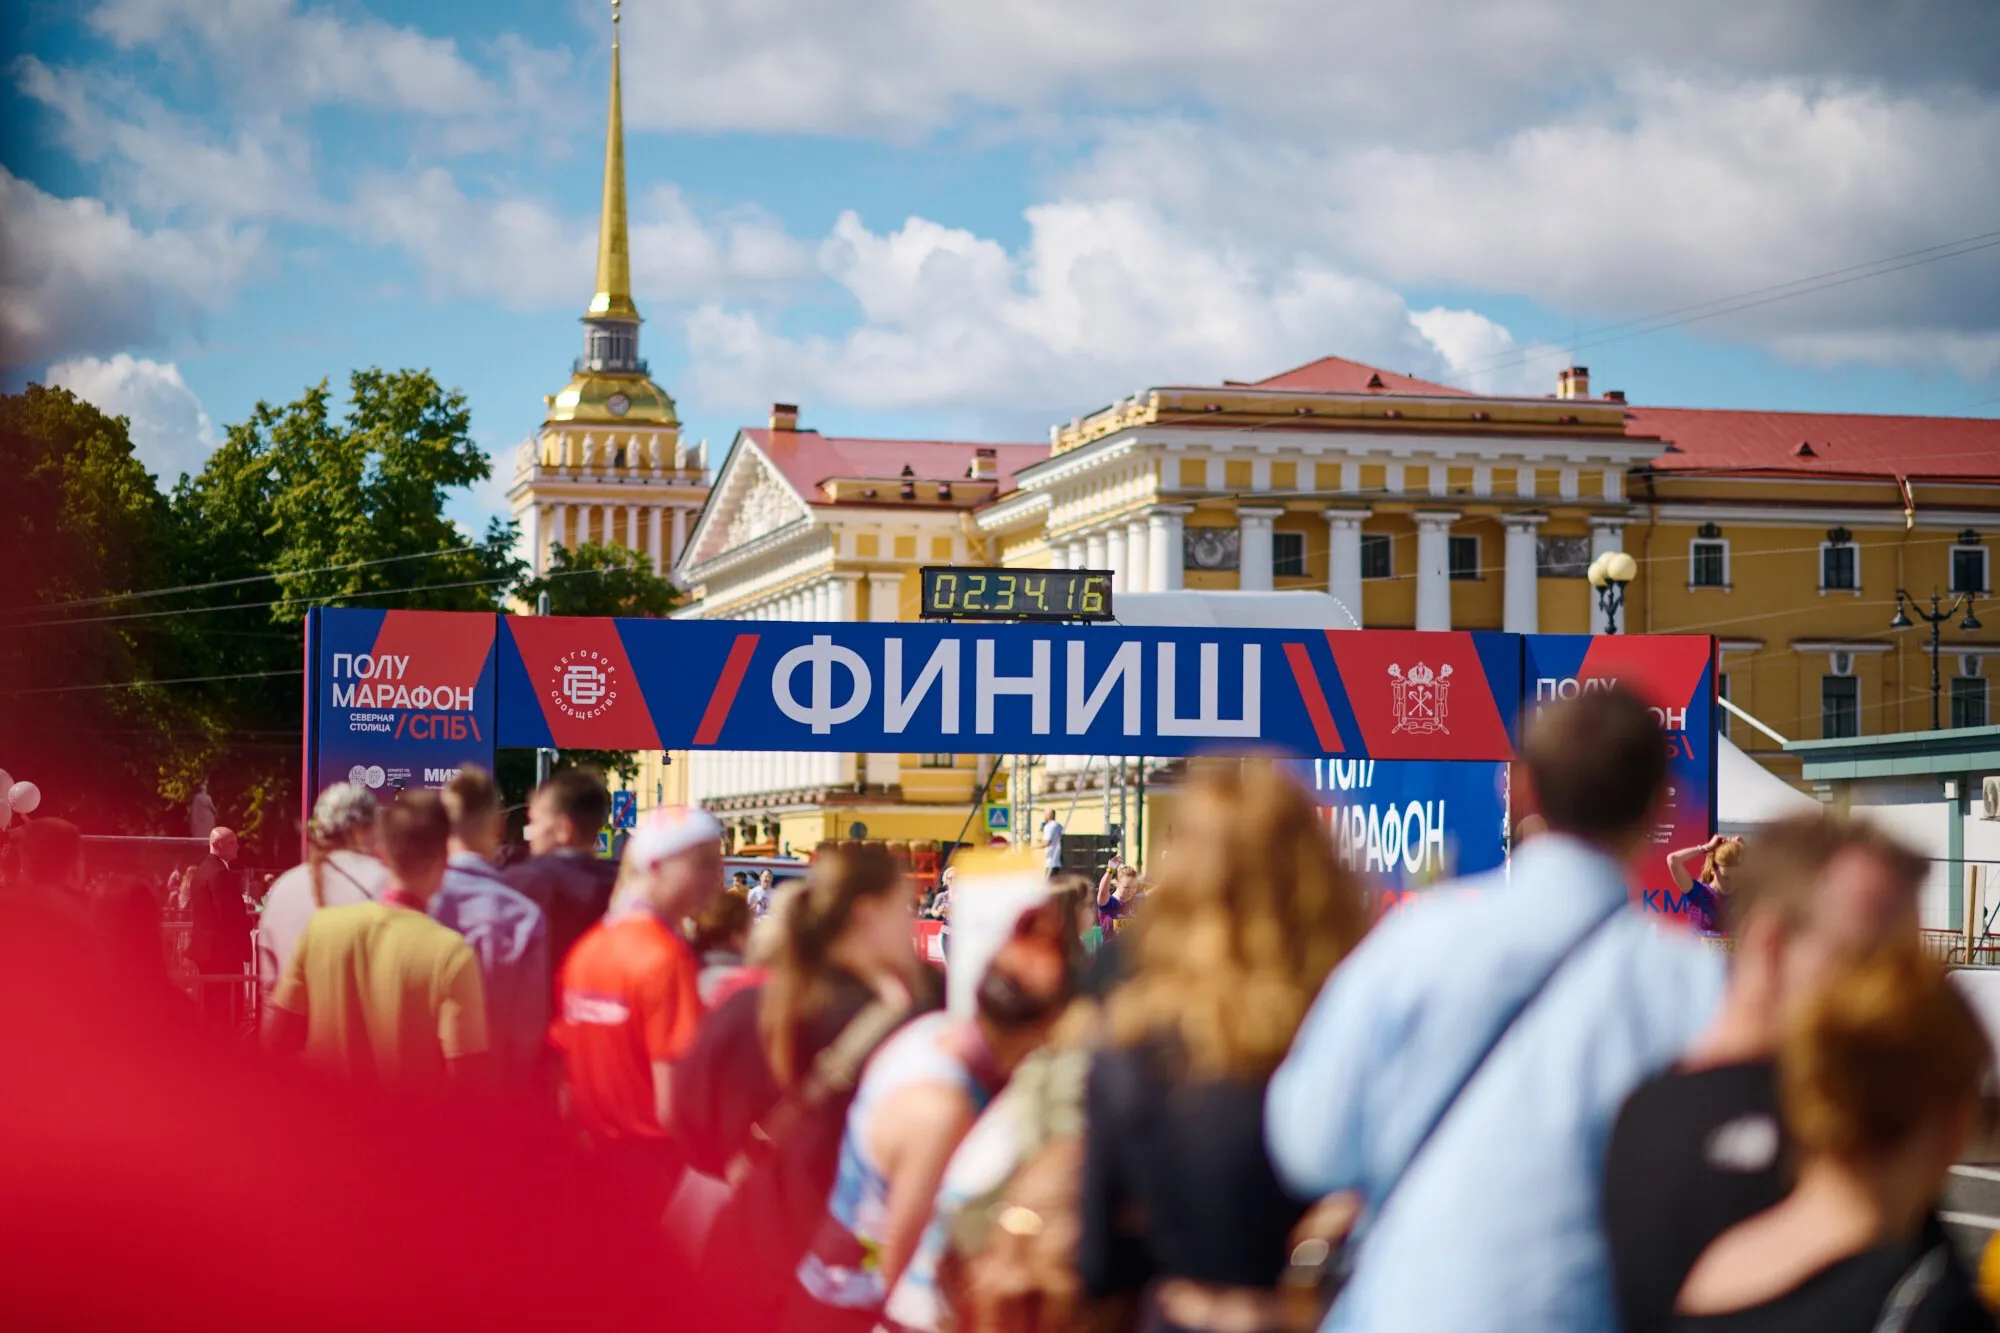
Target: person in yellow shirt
377,991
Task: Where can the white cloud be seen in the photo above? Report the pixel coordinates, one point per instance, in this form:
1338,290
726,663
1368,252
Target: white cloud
157,160
288,54
171,434
1105,297
522,252
76,276
1424,71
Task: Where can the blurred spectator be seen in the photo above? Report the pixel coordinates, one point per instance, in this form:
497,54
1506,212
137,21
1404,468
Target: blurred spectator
916,1101
340,867
128,919
508,934
564,876
1116,892
1052,836
219,942
1879,1074
1252,914
49,855
1706,895
721,937
760,896
377,991
1461,1069
1701,1147
629,1004
1073,898
843,968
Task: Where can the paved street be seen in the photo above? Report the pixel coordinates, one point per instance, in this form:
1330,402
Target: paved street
1972,1206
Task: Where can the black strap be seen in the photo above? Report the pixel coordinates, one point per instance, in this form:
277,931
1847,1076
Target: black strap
833,1071
1521,1007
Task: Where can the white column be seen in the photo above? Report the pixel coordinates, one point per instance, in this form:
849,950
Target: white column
1254,524
1606,535
1434,570
535,519
819,601
632,529
1076,557
885,596
680,536
1093,550
1114,557
1163,547
847,597
1343,562
659,521
1135,556
568,513
610,524
1523,609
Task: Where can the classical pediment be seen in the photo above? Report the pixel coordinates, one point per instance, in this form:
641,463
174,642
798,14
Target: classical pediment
751,500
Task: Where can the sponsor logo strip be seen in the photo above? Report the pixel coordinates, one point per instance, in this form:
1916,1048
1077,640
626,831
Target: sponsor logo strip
724,697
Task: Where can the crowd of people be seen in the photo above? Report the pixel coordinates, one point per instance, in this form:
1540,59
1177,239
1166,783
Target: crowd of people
1223,1097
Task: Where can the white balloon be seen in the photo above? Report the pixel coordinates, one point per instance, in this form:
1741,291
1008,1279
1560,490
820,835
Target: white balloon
6,780
24,797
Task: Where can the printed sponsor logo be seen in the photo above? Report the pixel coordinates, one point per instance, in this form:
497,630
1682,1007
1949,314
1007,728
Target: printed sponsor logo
1420,699
584,684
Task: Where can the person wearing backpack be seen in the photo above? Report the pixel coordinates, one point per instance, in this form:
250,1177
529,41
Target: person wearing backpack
762,1096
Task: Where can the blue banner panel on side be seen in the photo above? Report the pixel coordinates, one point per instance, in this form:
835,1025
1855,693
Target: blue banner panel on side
401,699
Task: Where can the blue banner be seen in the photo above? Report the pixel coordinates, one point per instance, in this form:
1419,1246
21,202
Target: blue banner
1405,825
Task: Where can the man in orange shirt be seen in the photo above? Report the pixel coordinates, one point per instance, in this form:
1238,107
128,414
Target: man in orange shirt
629,1002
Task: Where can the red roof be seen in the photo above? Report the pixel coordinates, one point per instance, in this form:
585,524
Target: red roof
1823,443
1336,374
808,458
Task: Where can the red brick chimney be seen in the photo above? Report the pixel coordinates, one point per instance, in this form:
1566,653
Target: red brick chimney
784,416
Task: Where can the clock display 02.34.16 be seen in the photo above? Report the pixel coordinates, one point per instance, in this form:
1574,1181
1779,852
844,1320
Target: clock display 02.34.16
958,593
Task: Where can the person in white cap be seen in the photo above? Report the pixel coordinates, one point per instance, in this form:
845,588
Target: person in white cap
629,998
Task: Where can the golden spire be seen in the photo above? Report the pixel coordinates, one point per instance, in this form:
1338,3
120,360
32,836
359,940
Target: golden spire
614,262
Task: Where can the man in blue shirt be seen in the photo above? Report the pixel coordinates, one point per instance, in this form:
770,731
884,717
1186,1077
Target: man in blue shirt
1494,1225
508,932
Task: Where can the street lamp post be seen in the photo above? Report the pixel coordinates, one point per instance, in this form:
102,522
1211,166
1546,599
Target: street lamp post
1609,574
1935,619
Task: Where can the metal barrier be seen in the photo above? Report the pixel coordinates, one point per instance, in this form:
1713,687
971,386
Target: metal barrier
209,989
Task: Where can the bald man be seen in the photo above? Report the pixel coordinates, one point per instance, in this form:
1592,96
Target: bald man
219,943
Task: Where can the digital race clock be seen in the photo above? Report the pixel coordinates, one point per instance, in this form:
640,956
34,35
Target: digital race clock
952,592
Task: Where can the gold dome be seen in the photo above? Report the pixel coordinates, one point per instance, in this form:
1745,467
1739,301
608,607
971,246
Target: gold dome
591,396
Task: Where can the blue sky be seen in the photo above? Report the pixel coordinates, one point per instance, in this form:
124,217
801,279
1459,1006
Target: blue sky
979,220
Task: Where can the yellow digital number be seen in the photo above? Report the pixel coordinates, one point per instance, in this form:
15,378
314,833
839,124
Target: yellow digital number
975,588
1069,590
943,591
1037,588
1005,587
1093,595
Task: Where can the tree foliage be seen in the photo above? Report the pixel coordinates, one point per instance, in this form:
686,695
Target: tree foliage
298,507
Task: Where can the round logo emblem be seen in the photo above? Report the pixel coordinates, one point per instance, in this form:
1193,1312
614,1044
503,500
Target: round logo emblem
584,684
619,404
376,777
358,775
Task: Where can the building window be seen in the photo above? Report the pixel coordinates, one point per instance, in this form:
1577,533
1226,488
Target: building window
1288,555
1968,569
1723,716
1463,557
1839,563
1377,556
1968,701
1562,557
938,760
1708,563
1839,707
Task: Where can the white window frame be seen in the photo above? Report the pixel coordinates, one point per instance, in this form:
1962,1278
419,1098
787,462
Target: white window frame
1985,566
1478,565
1727,582
1826,587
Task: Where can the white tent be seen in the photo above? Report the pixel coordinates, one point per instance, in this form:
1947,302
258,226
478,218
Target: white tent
1748,794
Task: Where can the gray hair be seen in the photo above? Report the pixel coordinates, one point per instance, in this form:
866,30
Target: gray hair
342,810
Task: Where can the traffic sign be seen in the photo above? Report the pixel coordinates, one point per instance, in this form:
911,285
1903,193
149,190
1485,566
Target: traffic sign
624,809
997,817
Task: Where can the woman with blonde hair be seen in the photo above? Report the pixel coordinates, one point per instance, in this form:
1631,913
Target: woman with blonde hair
1707,893
1879,1078
1249,913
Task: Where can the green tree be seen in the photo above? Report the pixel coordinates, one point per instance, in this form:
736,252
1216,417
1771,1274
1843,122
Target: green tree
81,522
592,580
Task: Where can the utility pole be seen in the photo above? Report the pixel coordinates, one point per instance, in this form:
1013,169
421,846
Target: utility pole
545,758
